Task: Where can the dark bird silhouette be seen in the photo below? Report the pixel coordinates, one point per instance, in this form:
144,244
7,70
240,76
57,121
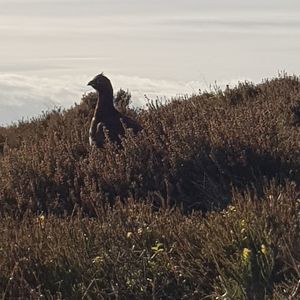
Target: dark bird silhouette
106,117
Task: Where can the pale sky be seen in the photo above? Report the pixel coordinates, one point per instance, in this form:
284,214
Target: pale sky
50,49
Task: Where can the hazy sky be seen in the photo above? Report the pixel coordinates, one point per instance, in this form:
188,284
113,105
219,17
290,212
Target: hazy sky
50,49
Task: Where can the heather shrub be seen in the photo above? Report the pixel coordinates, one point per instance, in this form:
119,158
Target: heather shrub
249,250
190,153
203,203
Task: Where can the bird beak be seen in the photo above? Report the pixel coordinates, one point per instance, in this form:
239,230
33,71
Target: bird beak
90,83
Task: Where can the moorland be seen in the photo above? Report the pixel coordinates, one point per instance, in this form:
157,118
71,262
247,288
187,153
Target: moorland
203,203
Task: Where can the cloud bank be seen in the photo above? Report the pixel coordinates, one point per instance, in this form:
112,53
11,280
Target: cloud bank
22,97
25,96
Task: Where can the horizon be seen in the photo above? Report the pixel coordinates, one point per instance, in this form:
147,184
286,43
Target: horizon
50,50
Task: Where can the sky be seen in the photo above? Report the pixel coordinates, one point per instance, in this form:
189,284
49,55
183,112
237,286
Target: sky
50,49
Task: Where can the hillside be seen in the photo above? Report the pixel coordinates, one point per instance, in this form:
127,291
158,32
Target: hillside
204,202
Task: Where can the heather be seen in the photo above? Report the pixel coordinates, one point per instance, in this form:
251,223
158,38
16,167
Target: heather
204,203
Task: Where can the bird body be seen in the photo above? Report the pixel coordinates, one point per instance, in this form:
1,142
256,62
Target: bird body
106,117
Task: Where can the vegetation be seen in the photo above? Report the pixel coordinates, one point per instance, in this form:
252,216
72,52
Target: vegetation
204,203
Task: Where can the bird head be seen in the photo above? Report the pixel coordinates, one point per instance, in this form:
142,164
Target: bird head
100,83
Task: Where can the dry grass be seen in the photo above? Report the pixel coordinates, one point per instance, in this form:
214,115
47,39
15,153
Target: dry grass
203,203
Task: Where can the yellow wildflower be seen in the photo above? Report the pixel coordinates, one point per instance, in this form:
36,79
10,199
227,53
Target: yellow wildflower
264,249
231,208
41,220
158,247
246,255
243,223
129,234
97,260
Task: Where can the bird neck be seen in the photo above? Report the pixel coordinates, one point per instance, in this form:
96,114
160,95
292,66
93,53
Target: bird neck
104,103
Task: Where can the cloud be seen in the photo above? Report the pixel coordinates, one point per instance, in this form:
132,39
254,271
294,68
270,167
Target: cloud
25,96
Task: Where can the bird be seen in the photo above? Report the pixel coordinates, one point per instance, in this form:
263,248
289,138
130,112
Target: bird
106,117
